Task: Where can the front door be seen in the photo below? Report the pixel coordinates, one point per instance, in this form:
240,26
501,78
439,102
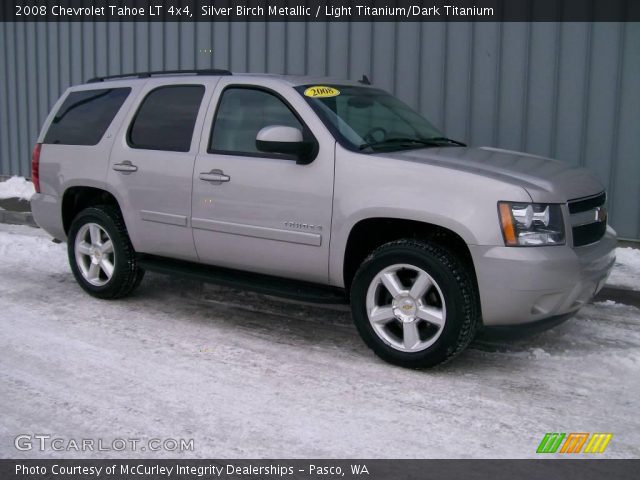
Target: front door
256,211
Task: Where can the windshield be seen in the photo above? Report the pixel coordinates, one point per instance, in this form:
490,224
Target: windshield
371,120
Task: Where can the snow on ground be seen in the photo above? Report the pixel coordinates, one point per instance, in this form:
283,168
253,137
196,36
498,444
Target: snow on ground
626,273
250,376
17,187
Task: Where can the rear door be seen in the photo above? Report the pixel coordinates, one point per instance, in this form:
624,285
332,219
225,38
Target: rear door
266,213
151,166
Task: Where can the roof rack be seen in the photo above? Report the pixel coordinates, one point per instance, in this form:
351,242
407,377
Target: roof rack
161,72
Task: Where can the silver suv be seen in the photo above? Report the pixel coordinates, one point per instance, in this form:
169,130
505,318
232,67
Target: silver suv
318,190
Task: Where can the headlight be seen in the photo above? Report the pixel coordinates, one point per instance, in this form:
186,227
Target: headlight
531,224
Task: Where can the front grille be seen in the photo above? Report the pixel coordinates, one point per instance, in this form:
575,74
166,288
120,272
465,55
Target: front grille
588,219
586,204
589,233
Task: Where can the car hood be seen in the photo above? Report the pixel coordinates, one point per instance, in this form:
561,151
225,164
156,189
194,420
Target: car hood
545,179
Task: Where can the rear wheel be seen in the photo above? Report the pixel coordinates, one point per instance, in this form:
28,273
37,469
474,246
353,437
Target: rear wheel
414,303
101,256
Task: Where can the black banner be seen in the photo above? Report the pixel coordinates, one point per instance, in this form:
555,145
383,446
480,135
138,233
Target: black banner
319,10
551,469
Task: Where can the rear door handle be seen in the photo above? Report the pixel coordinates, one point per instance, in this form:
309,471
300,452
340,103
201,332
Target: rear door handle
214,176
125,167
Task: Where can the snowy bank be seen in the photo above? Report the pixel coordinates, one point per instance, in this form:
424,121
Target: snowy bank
245,378
17,187
626,272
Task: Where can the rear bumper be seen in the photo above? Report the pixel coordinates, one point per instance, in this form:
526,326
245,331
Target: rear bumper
527,285
46,213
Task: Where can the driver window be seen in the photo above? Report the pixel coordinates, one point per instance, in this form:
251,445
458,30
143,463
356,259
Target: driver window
242,113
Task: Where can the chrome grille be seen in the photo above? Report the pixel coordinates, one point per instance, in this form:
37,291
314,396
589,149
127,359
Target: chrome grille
588,219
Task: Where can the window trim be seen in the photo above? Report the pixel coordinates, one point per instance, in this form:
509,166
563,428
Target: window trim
140,105
307,134
52,122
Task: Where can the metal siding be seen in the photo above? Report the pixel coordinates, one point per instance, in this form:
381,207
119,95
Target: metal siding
407,50
276,43
572,83
600,123
383,56
295,50
483,105
15,147
359,53
257,47
566,90
5,153
88,39
431,71
457,69
238,47
513,83
540,96
317,48
338,51
128,49
625,214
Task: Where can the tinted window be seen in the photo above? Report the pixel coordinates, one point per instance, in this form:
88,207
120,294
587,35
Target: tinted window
166,118
369,119
85,116
242,113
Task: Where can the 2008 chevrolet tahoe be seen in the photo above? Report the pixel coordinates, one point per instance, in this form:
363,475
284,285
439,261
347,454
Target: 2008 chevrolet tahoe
321,190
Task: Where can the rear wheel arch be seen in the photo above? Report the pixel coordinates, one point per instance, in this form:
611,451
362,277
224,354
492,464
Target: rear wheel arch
101,256
75,199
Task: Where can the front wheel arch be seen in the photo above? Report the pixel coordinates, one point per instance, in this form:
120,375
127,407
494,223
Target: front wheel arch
371,233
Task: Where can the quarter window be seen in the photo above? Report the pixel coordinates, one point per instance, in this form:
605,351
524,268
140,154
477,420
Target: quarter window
241,114
85,115
166,118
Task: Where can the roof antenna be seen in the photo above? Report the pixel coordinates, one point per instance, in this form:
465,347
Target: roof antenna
364,80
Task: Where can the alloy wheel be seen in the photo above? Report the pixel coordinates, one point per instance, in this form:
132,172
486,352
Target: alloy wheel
406,307
94,253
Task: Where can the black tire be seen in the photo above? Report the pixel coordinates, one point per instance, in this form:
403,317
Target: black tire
127,275
456,283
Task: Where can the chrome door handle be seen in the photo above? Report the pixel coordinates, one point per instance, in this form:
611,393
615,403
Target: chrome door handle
214,176
125,167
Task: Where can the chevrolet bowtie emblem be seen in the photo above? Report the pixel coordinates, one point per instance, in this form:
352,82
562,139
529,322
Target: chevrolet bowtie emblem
601,214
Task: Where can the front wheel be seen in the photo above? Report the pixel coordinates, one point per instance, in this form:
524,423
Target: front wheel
101,256
415,303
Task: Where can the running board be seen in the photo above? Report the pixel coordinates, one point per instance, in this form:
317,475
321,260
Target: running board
265,284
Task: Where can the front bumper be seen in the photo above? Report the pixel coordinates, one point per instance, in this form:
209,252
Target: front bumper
521,285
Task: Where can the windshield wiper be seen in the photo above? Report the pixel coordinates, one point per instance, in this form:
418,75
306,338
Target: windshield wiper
431,142
391,141
447,140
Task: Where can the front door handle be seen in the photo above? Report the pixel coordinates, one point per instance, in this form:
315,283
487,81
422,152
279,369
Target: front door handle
214,176
125,167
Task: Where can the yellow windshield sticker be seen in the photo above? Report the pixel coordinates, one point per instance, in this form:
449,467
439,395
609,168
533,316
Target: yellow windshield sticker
320,91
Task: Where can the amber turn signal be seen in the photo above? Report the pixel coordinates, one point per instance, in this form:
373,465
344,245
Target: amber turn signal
506,222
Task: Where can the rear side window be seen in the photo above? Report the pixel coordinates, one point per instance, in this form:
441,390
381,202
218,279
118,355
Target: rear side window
85,115
166,118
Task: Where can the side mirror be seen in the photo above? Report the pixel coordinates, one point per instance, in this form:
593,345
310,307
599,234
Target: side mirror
286,140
